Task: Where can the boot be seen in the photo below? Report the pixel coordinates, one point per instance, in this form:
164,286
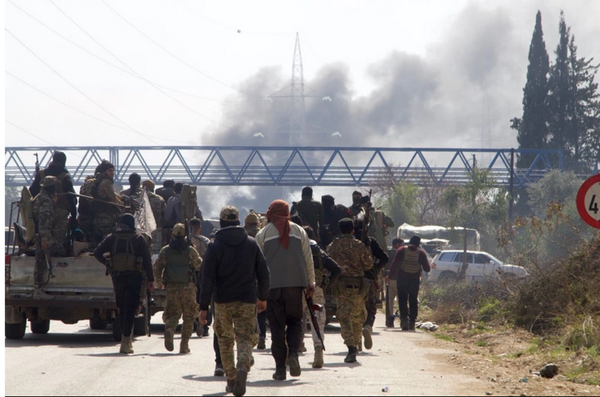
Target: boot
351,357
261,344
219,370
239,387
389,322
411,325
230,385
126,345
318,362
404,324
280,374
184,347
295,369
367,329
169,332
302,348
205,331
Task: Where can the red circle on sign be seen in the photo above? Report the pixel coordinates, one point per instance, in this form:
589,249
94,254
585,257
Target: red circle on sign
582,205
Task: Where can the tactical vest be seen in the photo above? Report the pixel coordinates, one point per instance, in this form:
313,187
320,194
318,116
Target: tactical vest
62,198
125,261
410,264
178,269
85,204
101,203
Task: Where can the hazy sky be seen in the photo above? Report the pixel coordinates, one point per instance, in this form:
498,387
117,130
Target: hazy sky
181,72
197,72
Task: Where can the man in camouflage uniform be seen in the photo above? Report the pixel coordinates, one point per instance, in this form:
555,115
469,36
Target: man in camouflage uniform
252,225
174,270
236,272
158,205
44,215
66,204
108,204
354,259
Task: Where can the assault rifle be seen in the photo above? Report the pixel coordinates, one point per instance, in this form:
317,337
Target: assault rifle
312,307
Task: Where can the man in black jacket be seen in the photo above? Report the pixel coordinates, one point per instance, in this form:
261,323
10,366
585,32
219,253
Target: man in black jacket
130,259
236,275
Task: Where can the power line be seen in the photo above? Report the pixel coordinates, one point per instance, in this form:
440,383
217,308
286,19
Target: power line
133,71
175,56
78,90
33,135
115,66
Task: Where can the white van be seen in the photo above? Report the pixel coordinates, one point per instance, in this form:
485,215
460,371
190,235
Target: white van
447,264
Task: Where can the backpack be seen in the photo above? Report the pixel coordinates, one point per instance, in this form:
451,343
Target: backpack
125,261
85,204
26,210
62,198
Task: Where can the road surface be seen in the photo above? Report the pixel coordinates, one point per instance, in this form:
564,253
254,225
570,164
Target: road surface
74,360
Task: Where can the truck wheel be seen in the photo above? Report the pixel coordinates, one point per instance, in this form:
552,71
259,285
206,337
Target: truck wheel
97,324
15,331
39,327
140,325
116,330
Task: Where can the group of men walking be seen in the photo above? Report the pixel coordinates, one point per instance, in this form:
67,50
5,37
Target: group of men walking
282,268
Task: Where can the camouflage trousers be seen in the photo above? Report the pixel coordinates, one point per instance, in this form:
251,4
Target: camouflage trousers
157,240
104,224
181,301
318,299
352,313
235,322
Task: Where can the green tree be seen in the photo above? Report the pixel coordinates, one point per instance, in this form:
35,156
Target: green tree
573,102
401,203
555,187
533,126
478,205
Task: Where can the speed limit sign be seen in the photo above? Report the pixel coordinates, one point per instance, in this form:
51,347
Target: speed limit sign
588,201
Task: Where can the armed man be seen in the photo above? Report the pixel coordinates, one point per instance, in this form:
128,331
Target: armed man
175,270
236,276
310,211
66,204
356,207
327,273
410,261
158,205
351,290
333,214
372,275
108,205
44,214
129,261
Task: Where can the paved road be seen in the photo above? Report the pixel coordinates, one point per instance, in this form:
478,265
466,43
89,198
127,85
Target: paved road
74,360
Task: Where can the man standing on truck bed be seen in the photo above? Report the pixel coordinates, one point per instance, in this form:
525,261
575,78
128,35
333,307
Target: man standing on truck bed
176,269
107,206
129,261
66,203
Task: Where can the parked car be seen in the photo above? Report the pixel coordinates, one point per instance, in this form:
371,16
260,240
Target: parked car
481,266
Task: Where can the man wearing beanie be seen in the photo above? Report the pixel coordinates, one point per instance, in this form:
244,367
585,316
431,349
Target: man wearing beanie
66,204
407,266
175,270
127,256
310,211
108,205
236,276
287,249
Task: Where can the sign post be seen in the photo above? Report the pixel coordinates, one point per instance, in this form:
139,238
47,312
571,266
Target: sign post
588,201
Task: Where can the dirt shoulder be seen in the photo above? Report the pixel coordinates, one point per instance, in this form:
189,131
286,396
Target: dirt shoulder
507,360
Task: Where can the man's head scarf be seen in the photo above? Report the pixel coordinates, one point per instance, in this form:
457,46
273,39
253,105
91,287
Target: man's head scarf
279,215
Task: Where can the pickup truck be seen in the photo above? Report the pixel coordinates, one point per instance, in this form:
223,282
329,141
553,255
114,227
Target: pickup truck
76,288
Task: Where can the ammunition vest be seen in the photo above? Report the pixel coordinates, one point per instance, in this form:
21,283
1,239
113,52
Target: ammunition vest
178,269
410,264
125,261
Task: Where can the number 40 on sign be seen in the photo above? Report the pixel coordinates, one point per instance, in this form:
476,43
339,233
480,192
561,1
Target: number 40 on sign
588,201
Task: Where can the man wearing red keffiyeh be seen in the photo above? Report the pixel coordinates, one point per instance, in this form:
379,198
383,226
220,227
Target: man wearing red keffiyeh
289,258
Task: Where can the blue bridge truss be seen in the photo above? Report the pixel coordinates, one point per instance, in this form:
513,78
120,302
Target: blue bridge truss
285,166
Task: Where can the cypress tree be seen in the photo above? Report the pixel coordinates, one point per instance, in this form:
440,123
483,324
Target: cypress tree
533,126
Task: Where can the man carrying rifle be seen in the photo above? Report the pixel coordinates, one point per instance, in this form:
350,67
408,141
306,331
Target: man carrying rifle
351,290
106,213
326,273
175,269
44,215
66,204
